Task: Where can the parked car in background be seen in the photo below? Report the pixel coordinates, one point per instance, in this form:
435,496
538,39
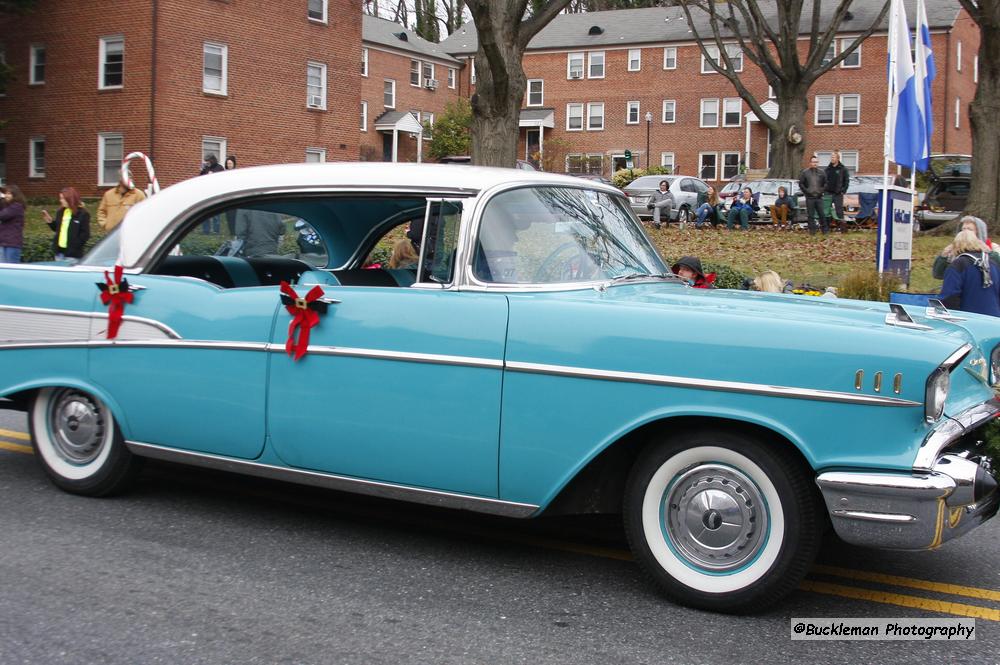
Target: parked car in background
766,191
540,359
521,164
948,192
683,190
731,189
593,177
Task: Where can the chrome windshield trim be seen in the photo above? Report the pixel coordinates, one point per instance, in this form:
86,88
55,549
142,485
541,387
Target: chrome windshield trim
950,429
709,384
337,482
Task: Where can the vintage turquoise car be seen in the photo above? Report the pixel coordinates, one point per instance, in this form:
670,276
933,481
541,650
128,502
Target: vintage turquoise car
529,354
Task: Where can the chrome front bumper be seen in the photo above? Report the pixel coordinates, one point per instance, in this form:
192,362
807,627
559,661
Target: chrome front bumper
938,501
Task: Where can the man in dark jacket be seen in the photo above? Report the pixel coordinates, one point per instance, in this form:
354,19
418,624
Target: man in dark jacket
837,181
812,182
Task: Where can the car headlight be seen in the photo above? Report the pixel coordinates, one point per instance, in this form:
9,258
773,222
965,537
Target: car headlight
936,393
995,365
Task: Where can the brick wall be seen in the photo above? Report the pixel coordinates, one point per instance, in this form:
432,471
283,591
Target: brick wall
961,85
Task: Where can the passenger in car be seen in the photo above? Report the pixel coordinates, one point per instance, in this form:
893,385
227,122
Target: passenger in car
404,255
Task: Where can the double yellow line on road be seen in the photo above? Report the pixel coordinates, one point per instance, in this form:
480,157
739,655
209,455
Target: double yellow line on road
813,585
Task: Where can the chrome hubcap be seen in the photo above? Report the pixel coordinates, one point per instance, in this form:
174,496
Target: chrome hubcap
77,424
715,517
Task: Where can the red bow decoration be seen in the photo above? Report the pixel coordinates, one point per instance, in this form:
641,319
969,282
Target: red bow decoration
115,293
305,314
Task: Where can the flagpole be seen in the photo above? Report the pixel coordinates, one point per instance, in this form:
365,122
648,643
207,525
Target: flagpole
885,147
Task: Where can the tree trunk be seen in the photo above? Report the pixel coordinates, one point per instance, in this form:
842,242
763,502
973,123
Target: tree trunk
786,153
984,197
496,106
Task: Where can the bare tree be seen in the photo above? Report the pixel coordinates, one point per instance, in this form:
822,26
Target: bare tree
426,20
772,44
504,34
984,198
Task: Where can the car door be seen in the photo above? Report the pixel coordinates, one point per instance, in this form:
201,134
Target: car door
400,384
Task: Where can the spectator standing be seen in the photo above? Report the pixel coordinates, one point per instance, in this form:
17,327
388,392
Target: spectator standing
948,254
116,202
71,225
709,207
212,165
661,198
812,182
230,162
741,209
971,281
260,231
231,213
12,224
837,181
782,207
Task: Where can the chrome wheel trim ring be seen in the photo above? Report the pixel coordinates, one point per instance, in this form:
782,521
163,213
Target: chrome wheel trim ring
77,426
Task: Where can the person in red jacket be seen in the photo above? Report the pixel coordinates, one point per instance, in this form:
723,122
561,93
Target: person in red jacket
689,268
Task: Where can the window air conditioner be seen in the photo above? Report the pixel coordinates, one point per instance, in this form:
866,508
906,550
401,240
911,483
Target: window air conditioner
315,101
431,84
574,74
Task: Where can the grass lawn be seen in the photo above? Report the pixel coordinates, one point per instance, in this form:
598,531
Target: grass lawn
795,255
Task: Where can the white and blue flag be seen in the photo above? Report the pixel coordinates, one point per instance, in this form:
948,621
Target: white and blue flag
904,128
924,71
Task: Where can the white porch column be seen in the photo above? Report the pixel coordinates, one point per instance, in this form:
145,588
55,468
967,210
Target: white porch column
541,146
395,145
746,159
420,145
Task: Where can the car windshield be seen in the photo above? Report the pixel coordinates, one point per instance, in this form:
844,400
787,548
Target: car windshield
767,186
951,166
648,182
550,235
731,187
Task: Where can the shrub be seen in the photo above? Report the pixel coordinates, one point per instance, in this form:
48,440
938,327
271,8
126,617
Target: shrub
869,285
623,177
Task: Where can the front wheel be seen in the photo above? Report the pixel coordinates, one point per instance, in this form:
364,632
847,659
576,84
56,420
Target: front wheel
78,443
721,521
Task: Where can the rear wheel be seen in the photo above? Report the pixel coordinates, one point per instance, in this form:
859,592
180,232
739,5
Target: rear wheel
721,521
78,443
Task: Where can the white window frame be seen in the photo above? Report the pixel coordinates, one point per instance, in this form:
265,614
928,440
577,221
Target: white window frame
831,53
322,94
673,112
672,51
364,116
731,49
32,142
855,54
714,101
425,69
664,161
628,113
416,67
222,147
571,107
102,140
739,112
33,52
102,54
637,52
770,92
722,163
833,110
576,55
364,62
958,57
849,156
589,116
224,79
452,77
392,83
715,168
591,55
541,92
840,115
319,152
958,113
326,13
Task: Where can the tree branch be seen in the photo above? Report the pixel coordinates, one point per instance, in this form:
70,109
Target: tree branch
814,65
539,20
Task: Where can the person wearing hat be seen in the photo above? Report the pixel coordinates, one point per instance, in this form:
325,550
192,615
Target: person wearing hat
116,202
689,268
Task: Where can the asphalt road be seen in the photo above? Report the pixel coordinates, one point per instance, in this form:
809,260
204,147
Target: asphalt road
202,567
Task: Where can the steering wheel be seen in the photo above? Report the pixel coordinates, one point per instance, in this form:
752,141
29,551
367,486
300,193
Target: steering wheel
566,263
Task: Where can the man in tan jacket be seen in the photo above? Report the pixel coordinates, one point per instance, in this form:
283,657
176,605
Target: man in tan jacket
115,203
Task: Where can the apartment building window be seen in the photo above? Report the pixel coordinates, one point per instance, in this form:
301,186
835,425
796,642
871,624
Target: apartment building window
853,60
574,66
214,145
451,78
958,113
36,157
389,94
315,155
669,110
670,57
850,109
826,106
574,117
316,10
710,113
632,113
732,108
849,158
595,116
316,85
958,57
214,76
667,160
730,164
589,163
831,53
364,116
770,92
708,165
634,59
536,92
735,56
111,55
364,62
110,152
36,67
428,72
415,73
595,65
428,124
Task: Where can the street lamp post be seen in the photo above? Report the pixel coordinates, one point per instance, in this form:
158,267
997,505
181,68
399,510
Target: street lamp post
649,123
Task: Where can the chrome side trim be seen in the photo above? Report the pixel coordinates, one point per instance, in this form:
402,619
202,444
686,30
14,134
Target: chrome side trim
36,317
874,517
138,343
957,356
337,482
708,384
428,358
950,430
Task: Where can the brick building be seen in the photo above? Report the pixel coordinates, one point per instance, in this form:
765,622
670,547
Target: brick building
600,83
268,82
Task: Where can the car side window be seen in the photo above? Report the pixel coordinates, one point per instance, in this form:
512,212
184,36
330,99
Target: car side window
699,186
439,242
687,185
